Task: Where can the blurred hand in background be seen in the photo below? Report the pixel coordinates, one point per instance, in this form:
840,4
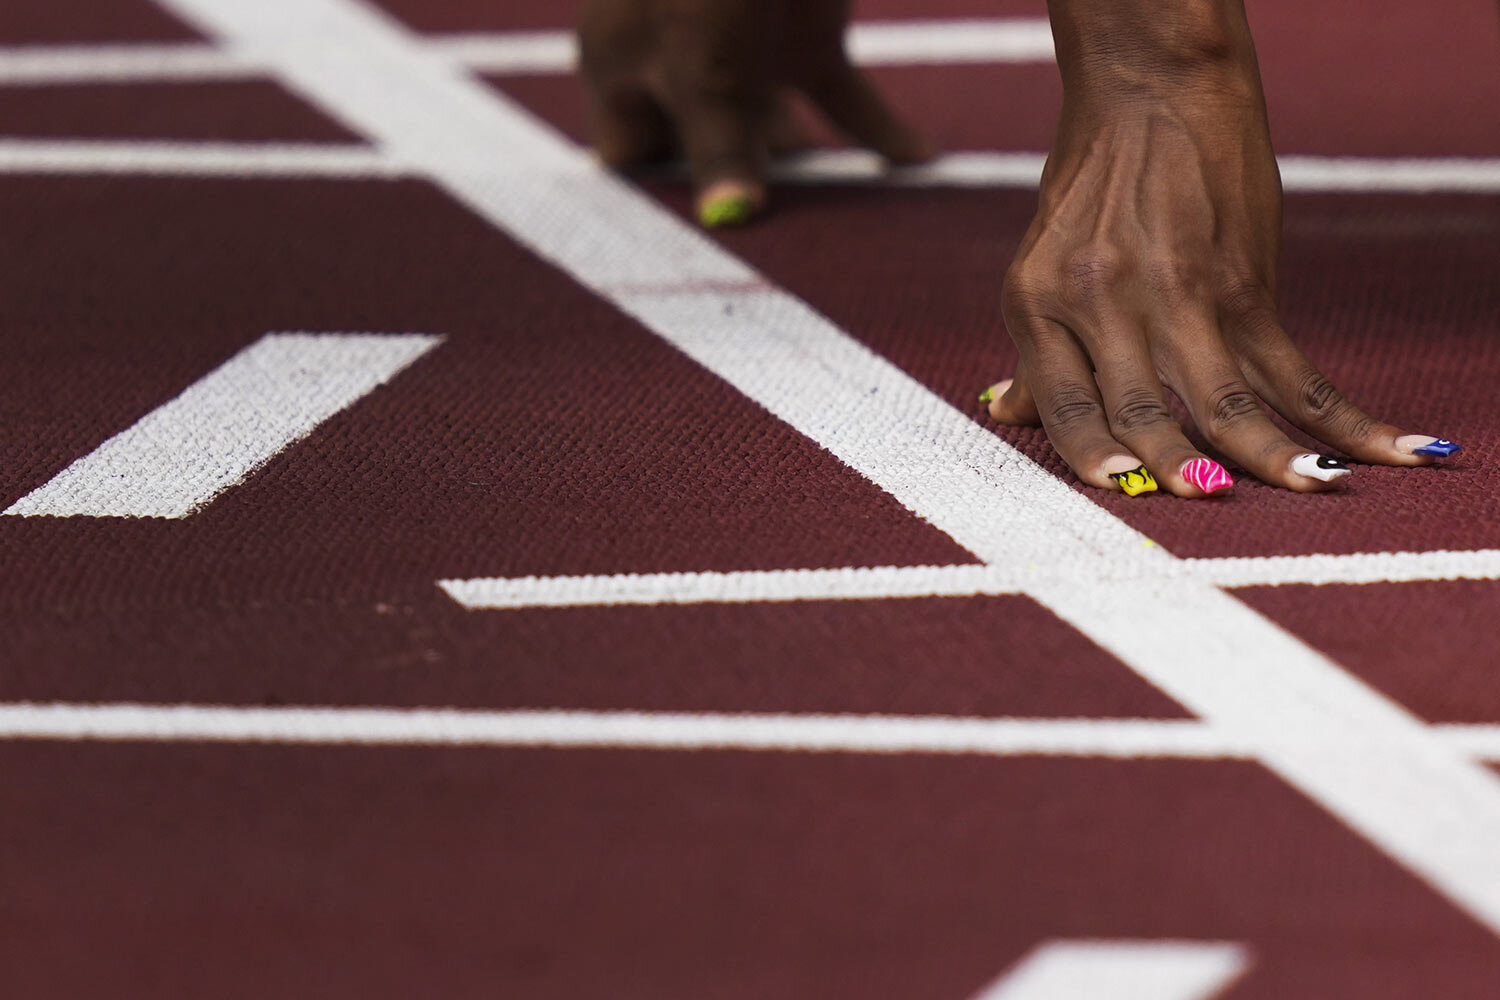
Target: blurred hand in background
708,79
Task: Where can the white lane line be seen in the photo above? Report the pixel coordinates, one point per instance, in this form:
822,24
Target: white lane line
871,43
1299,174
877,582
195,159
977,40
1352,568
1123,970
834,167
1187,739
500,53
736,587
1391,779
1480,741
224,426
882,734
39,65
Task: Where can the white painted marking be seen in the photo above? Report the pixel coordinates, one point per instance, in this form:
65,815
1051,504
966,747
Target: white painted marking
515,53
1393,780
195,159
224,426
979,40
1123,970
1354,568
1480,741
872,43
875,582
1184,739
882,734
1299,174
35,65
841,167
697,588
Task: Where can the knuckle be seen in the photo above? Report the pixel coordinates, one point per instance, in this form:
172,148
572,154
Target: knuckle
1023,295
1139,409
1090,272
1317,397
1323,405
1071,406
1248,304
1174,277
1229,405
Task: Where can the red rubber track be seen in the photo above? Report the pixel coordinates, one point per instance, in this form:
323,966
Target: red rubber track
552,435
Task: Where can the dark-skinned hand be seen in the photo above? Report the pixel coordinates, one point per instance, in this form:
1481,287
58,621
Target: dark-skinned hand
1151,268
707,79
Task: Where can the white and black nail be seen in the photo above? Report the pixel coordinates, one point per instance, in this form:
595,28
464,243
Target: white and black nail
1321,467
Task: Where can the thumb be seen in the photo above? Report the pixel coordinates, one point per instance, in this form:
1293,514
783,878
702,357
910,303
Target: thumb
1011,402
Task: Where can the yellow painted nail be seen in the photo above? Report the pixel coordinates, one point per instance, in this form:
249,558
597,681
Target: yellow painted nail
1135,482
729,210
988,394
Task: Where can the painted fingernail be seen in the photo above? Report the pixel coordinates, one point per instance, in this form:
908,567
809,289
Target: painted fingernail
1206,474
725,210
1322,467
1425,444
988,394
1133,481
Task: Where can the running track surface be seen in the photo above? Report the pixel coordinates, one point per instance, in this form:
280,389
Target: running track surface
694,786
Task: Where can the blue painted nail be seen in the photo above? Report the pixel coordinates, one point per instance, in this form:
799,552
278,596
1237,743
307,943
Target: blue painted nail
1426,445
1441,448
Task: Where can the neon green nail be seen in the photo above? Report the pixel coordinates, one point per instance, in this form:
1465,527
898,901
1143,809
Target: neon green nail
988,394
730,210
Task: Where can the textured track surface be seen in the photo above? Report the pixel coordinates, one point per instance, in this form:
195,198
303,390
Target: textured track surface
550,434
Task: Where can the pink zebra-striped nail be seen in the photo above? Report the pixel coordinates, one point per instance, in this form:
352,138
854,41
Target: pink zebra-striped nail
1206,474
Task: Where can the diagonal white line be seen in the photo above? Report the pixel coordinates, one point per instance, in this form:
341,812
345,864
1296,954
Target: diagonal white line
1390,777
224,426
1123,970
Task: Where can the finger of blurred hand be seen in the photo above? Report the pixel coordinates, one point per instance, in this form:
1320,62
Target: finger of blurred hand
785,134
629,127
718,86
853,104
